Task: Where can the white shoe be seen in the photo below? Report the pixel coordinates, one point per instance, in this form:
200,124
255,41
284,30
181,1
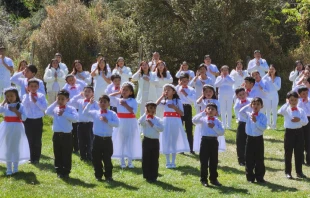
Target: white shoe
130,165
172,166
168,165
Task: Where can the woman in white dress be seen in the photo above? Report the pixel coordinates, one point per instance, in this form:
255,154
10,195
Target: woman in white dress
238,75
80,74
122,70
101,77
21,67
299,68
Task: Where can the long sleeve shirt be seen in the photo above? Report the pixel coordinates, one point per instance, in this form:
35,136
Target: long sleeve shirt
79,103
304,105
148,130
261,93
112,89
198,84
191,94
125,75
274,86
225,85
289,114
33,109
73,90
262,66
189,72
238,105
204,120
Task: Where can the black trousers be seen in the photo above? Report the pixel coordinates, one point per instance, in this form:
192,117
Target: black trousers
150,158
85,137
254,158
75,140
113,109
208,158
187,119
33,130
241,141
62,144
306,131
102,152
293,141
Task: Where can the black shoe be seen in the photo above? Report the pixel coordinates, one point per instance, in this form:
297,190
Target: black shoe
205,183
193,153
301,175
60,175
216,183
98,178
110,179
288,176
241,163
261,180
66,176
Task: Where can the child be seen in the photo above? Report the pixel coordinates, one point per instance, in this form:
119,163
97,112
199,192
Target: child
104,121
146,81
122,70
101,77
238,75
113,91
184,70
63,117
187,96
241,134
14,147
54,77
256,124
261,90
79,72
21,67
21,79
225,83
126,139
34,104
294,119
304,103
249,83
85,124
173,139
211,128
151,126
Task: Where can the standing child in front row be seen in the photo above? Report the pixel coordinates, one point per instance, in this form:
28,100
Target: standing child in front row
211,127
173,139
151,126
294,119
14,147
256,124
114,91
126,138
63,117
104,121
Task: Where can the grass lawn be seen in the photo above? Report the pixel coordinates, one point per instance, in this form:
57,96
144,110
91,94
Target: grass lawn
41,181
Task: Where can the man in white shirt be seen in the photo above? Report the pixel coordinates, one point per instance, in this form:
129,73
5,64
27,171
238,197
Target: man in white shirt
212,70
6,68
258,64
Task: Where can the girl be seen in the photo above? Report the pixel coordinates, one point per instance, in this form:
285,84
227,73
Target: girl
304,74
224,82
101,77
162,77
21,67
274,83
208,96
238,75
14,147
126,138
122,70
299,67
173,138
184,70
79,72
146,80
55,80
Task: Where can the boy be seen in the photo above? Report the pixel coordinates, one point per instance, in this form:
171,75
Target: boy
63,117
151,126
104,121
113,91
256,124
188,97
261,90
211,128
241,135
35,104
249,83
29,72
304,103
294,119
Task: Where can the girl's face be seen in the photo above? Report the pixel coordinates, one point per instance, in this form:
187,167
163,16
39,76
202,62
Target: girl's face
272,70
145,67
88,93
78,67
23,65
185,67
10,96
101,64
239,66
306,72
126,92
161,67
224,71
256,76
207,61
299,66
169,92
208,93
55,64
71,81
120,63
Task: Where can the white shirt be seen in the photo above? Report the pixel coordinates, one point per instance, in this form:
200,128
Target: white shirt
62,123
79,103
146,90
288,114
131,102
49,78
204,120
191,94
225,85
62,67
113,99
34,110
204,102
293,76
261,93
212,68
148,130
99,81
73,90
160,82
126,73
94,66
100,127
238,105
275,86
262,68
304,106
198,84
189,72
176,102
253,128
6,112
238,77
86,75
5,74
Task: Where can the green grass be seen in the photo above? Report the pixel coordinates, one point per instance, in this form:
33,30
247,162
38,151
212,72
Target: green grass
41,181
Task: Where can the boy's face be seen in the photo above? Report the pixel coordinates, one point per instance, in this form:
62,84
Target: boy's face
62,100
202,70
248,85
117,82
185,67
151,110
293,101
211,111
33,87
184,81
241,95
71,80
304,94
104,104
88,93
256,106
28,73
207,61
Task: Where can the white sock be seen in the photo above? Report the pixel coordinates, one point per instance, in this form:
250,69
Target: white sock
174,155
167,158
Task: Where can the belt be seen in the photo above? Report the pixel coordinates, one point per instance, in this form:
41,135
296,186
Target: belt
126,115
209,138
171,114
104,138
12,119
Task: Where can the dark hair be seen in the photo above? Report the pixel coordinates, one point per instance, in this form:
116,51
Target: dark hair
17,97
68,76
272,65
54,59
175,96
115,76
20,64
105,69
308,79
104,97
33,81
131,89
99,54
207,56
299,62
33,69
64,93
250,79
225,67
257,99
58,54
185,75
150,104
120,58
291,94
209,87
301,89
211,104
239,61
164,71
201,65
238,90
89,87
74,71
148,71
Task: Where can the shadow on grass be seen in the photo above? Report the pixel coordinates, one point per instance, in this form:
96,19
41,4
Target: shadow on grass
230,190
77,182
44,157
168,187
135,170
228,169
188,170
195,156
274,140
28,177
230,141
116,184
273,169
45,166
277,187
274,159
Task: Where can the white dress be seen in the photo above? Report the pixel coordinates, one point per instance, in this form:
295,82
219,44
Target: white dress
173,139
14,145
100,85
126,137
